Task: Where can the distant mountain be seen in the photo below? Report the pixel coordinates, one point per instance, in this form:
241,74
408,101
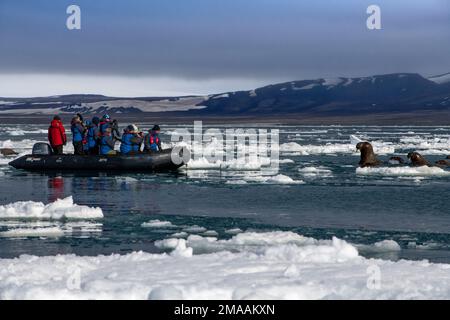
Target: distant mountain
83,103
390,93
381,94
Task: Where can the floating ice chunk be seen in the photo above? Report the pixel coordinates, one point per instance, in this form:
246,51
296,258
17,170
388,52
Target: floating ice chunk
293,147
276,179
33,232
157,224
180,235
61,208
195,229
387,245
380,247
233,231
285,161
210,233
283,179
403,171
315,172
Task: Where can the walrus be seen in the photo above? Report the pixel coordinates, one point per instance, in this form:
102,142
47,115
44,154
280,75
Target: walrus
442,163
396,160
368,158
8,152
417,159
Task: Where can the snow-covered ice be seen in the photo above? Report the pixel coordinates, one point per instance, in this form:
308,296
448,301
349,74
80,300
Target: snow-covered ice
403,171
273,265
157,224
33,232
194,229
61,208
313,172
274,179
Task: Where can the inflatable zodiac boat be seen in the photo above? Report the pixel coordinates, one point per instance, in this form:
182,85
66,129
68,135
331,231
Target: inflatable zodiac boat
43,160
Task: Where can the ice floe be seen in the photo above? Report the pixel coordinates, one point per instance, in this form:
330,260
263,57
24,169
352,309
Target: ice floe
233,231
403,171
380,247
33,232
275,179
49,228
274,265
194,229
315,172
157,224
61,208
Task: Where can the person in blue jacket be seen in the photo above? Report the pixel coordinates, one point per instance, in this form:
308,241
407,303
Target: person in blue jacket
131,140
87,124
92,136
105,123
78,135
107,143
152,143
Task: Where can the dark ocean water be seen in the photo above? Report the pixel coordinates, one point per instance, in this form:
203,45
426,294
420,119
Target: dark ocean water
331,200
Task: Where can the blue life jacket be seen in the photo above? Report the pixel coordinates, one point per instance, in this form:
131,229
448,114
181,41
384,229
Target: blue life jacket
152,141
104,147
92,135
126,146
103,126
77,134
135,147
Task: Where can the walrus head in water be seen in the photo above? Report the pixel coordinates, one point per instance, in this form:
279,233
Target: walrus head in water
368,158
8,152
417,159
442,163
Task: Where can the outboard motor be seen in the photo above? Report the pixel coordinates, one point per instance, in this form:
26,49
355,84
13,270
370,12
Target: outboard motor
42,149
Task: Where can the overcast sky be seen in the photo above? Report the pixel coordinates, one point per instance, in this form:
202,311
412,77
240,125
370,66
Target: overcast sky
172,47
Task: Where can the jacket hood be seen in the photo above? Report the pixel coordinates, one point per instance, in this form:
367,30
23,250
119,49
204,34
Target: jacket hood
56,123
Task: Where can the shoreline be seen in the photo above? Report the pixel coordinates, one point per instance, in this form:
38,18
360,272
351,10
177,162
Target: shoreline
416,119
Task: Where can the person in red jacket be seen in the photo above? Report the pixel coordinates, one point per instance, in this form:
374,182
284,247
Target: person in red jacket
57,135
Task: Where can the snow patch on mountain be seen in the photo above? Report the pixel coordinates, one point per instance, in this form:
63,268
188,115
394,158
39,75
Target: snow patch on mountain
440,79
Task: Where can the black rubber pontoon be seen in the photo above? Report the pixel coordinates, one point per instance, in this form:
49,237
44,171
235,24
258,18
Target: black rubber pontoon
143,162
